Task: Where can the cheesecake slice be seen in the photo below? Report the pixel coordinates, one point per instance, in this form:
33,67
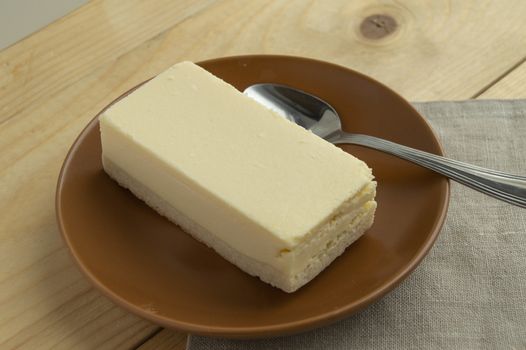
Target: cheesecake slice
270,197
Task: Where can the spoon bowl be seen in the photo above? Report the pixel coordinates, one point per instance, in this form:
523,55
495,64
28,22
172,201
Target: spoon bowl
299,107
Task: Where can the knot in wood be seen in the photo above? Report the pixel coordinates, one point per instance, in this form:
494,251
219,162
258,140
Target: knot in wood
378,26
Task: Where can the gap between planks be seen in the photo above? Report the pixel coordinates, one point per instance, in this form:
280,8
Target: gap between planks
148,338
499,78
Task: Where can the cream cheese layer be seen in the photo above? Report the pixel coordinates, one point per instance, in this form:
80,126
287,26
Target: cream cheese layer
255,180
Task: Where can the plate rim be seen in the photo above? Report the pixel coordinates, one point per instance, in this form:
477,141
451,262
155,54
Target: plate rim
280,329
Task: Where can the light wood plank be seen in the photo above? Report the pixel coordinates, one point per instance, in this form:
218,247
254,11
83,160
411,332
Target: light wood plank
438,52
165,340
440,49
44,300
70,48
513,85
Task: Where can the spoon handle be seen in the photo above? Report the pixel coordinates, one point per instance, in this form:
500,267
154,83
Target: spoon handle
507,187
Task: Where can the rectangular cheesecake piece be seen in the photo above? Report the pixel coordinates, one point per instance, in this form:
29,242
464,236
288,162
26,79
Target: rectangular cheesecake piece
272,198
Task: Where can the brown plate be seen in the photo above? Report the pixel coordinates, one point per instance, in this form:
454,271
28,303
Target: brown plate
148,265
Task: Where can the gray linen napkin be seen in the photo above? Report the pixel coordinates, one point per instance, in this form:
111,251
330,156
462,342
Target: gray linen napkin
470,291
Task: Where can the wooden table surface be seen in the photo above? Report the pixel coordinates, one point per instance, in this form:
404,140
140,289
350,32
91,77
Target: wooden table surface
53,82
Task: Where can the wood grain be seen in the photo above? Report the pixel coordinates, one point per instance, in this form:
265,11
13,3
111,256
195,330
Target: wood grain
440,49
67,50
54,82
33,259
44,301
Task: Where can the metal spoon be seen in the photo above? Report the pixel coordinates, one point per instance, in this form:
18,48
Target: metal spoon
319,117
